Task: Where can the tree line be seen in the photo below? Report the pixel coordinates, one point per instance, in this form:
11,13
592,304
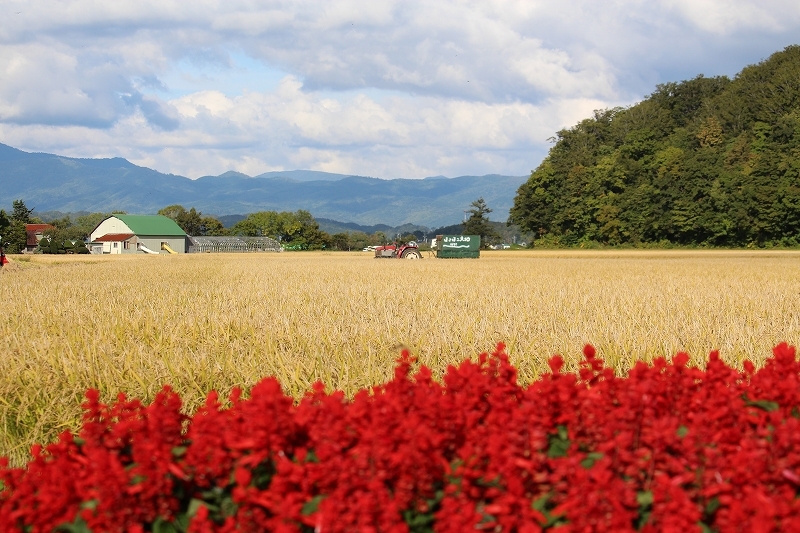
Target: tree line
67,235
296,230
703,162
299,230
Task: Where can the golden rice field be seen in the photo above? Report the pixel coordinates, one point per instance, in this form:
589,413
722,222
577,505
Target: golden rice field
202,322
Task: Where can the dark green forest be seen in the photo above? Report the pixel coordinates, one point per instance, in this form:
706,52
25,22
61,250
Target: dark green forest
703,162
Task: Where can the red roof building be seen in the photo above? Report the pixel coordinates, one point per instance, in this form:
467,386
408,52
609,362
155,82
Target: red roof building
114,237
34,234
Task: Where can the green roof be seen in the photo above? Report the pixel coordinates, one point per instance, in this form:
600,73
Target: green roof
152,225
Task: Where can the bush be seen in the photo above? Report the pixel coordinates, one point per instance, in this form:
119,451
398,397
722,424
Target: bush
666,448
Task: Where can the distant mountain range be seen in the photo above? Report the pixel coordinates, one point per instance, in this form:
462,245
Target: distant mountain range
50,182
334,226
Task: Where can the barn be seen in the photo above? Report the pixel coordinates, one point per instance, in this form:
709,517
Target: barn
137,234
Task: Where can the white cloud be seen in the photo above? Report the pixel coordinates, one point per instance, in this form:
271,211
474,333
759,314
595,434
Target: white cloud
51,86
401,136
388,88
727,17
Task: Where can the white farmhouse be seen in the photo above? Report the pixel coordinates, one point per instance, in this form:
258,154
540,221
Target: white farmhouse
137,234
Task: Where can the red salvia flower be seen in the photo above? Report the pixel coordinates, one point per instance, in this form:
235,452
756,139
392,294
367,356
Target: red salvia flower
666,448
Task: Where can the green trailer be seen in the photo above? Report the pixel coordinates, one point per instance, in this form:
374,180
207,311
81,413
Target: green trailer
458,246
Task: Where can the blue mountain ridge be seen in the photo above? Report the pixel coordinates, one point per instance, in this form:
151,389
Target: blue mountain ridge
49,182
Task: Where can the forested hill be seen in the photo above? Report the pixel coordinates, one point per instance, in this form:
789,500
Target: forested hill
709,161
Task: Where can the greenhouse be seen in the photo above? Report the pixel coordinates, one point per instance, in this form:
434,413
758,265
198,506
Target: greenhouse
233,244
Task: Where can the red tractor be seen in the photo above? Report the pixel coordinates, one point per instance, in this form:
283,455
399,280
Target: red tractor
409,250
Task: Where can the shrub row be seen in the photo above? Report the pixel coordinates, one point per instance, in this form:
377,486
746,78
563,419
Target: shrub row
666,448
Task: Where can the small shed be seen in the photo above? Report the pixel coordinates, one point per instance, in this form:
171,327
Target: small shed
137,234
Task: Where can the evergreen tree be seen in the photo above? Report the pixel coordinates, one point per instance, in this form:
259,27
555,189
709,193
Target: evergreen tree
478,222
4,221
16,238
20,212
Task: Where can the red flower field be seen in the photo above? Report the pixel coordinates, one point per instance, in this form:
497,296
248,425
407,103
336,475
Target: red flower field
666,448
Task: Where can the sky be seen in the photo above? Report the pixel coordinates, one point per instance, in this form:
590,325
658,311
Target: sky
389,89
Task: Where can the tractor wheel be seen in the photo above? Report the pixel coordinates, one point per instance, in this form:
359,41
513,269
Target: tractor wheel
412,254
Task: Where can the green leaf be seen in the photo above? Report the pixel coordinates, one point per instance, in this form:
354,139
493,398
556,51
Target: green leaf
645,501
454,480
182,522
312,505
215,493
644,516
540,503
419,522
544,506
91,504
704,528
682,431
78,526
194,506
228,507
712,505
591,459
766,405
179,451
162,526
262,474
559,443
311,457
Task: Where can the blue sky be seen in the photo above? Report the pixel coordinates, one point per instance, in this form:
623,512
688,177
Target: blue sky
386,88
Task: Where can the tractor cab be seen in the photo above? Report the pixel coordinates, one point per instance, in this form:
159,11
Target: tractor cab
409,250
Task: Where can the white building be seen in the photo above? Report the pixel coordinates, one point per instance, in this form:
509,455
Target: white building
132,234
